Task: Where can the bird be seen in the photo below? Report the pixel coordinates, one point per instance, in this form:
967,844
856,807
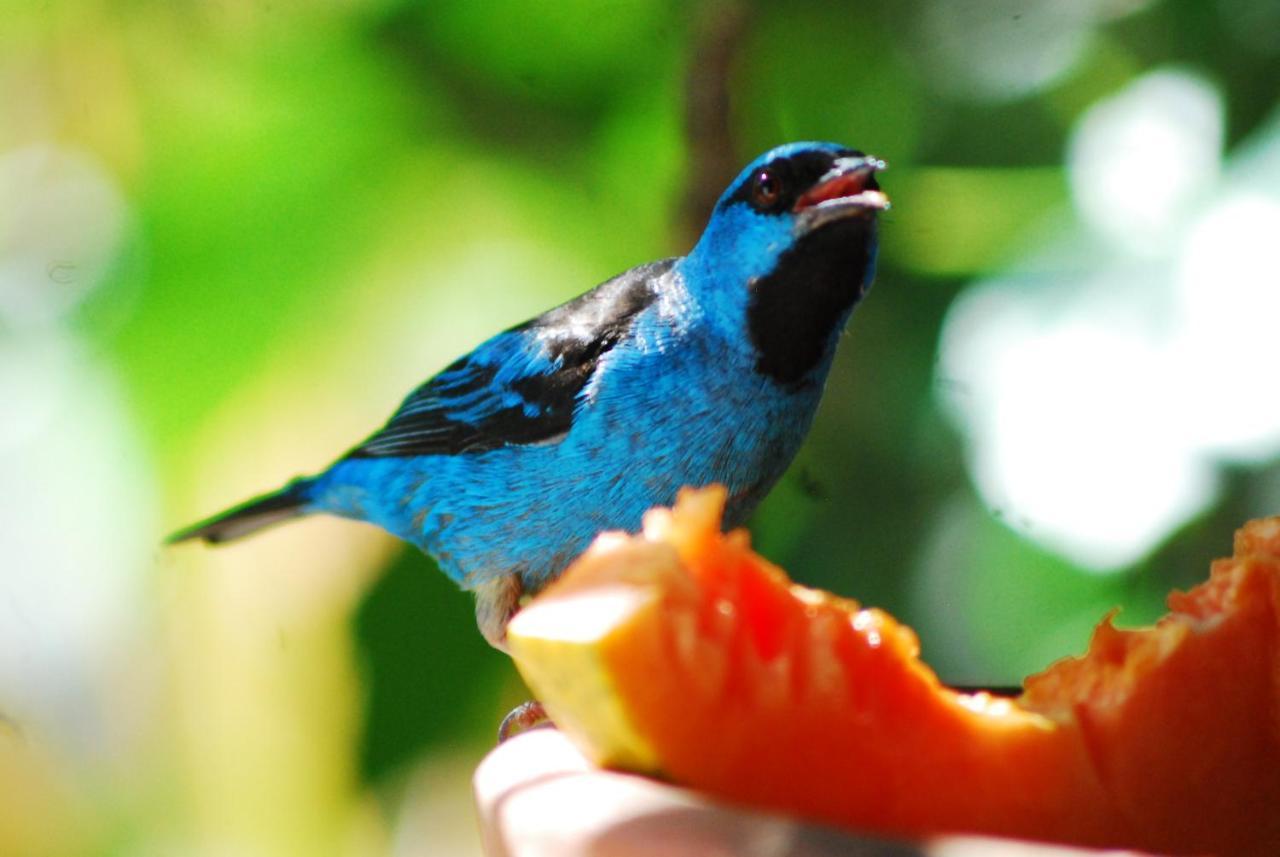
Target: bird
692,370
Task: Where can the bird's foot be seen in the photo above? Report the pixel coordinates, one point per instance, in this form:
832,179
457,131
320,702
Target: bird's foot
522,718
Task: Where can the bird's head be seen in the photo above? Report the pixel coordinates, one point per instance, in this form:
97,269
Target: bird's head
789,250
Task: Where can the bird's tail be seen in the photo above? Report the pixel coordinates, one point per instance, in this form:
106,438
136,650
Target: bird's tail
250,516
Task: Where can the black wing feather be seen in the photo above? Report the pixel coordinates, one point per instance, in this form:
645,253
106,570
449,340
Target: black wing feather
522,386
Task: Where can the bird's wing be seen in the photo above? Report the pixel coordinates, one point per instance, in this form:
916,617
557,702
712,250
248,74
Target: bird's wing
522,386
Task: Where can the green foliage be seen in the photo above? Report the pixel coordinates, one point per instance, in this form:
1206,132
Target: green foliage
430,679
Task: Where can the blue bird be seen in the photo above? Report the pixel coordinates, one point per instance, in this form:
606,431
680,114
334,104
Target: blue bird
687,371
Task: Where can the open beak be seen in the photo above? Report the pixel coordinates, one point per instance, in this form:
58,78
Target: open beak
849,189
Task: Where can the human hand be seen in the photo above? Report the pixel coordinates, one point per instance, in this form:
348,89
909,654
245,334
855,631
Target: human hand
538,797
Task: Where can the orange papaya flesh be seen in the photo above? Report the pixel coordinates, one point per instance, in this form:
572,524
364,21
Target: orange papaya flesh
1183,719
681,653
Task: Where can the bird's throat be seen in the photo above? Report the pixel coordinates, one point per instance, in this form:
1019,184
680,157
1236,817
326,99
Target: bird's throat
794,311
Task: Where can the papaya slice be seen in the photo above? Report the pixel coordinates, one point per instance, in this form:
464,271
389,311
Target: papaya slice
681,653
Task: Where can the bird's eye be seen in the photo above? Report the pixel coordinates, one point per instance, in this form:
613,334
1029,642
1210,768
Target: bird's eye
766,189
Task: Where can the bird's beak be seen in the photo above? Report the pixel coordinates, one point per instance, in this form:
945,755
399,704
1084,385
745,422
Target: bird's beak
848,189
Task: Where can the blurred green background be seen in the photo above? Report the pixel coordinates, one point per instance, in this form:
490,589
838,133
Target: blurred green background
233,233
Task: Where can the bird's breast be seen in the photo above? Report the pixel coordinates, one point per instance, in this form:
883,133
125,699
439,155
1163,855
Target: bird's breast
694,413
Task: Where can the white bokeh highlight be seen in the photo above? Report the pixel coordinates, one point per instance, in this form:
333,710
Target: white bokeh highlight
61,225
78,504
1101,383
1004,50
1137,160
1227,347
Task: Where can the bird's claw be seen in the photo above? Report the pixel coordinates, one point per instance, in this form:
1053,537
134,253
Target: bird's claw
522,718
